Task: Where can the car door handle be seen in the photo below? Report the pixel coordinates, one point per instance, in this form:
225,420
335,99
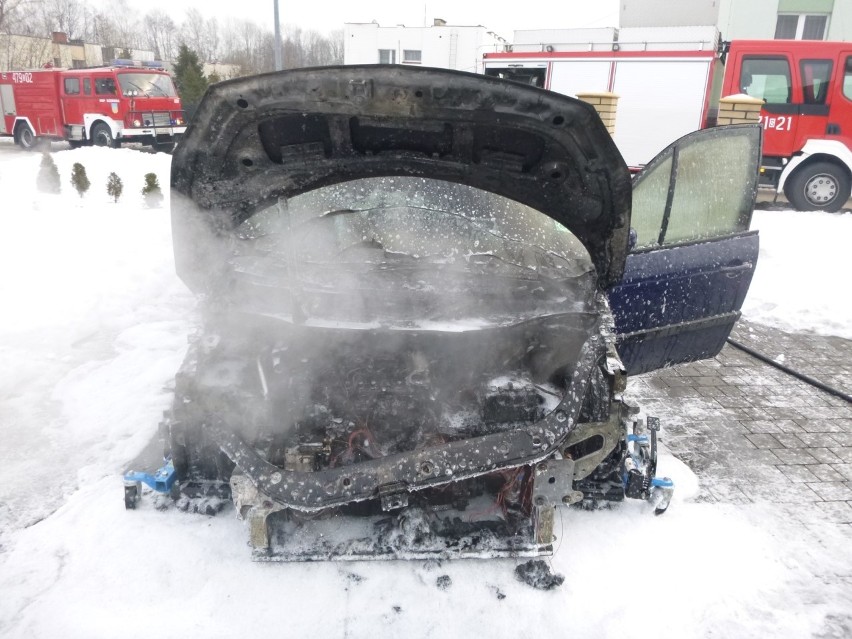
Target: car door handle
734,270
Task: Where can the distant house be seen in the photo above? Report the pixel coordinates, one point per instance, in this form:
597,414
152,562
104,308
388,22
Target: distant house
18,52
439,45
27,52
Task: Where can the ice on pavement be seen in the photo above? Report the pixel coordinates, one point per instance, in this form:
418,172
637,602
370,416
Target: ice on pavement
93,328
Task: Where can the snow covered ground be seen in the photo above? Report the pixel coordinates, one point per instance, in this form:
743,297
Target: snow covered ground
92,330
802,278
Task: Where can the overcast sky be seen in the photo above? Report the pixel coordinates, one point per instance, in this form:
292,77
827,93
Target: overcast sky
501,16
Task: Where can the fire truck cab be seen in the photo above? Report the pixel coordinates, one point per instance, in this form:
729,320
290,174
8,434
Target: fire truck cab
104,106
670,79
807,115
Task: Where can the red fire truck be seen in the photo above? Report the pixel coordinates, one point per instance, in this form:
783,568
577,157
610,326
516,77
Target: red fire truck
670,80
807,115
104,106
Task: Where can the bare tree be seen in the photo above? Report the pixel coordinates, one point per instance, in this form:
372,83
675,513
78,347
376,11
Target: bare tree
211,34
200,35
161,34
311,48
62,15
16,17
335,46
248,46
127,28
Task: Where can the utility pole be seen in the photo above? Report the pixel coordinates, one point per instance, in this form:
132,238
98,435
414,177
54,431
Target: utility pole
279,63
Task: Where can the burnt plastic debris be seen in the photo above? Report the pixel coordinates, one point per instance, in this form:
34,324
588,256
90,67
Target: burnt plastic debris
537,573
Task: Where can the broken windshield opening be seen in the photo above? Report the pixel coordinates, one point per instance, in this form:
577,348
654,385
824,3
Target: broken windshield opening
408,253
399,219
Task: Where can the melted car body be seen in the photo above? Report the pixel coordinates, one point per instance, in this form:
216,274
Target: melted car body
407,345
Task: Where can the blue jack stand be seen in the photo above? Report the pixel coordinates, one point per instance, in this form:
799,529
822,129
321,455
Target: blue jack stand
161,481
640,468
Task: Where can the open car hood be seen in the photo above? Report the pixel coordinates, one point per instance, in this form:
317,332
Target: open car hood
255,140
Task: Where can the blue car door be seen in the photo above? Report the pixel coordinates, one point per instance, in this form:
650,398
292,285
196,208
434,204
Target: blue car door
692,255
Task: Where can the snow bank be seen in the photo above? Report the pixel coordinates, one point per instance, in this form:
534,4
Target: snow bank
802,278
94,324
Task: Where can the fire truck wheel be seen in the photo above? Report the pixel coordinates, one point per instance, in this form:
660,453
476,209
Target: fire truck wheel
24,137
102,135
818,186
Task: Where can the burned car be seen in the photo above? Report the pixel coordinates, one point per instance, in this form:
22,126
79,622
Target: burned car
422,292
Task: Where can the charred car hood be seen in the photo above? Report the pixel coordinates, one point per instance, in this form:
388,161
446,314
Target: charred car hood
256,140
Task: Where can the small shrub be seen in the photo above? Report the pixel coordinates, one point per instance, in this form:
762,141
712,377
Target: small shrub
151,191
79,179
48,176
114,186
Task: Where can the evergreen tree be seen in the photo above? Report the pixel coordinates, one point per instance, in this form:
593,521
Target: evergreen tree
48,175
114,186
79,179
213,78
189,78
151,191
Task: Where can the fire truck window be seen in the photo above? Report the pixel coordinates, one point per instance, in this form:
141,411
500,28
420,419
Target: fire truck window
847,78
104,86
767,79
87,86
146,84
72,86
815,78
533,76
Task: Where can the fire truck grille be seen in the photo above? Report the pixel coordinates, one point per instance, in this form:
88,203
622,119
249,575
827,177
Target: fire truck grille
162,118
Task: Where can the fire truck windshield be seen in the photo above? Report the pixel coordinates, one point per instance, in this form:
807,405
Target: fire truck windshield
146,84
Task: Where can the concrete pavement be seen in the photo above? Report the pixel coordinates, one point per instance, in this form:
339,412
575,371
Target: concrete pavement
754,434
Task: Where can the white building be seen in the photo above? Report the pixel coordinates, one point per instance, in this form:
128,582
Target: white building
439,45
746,19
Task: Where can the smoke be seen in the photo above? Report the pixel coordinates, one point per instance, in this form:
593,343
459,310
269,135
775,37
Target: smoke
402,303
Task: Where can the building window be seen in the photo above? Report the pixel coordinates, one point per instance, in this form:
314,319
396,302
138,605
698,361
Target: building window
801,26
412,56
72,86
387,56
814,28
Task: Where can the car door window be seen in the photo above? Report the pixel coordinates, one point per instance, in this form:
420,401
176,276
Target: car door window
696,189
649,204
